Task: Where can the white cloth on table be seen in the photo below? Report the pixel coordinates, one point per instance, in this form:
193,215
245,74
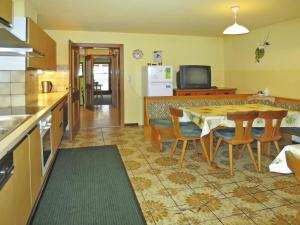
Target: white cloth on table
279,164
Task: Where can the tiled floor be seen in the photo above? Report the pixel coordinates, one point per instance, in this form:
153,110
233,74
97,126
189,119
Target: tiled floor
198,194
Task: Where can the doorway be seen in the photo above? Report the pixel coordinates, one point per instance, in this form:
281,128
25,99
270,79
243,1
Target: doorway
101,85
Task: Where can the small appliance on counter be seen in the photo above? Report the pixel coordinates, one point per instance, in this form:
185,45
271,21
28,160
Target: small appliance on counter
46,86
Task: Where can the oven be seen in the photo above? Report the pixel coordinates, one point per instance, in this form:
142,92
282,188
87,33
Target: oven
46,143
6,168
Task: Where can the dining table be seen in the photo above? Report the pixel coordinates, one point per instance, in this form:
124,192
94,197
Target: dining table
211,117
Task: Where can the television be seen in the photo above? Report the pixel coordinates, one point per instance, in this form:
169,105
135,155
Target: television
193,77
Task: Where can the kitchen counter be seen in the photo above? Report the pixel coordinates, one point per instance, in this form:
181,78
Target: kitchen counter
46,102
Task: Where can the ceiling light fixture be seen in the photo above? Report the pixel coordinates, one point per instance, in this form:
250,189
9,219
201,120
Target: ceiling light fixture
235,28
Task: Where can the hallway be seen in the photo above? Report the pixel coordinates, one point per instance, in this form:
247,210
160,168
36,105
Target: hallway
101,116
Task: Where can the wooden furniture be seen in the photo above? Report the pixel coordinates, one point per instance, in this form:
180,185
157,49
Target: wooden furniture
57,125
212,91
22,196
185,134
6,12
158,107
270,133
43,43
293,162
237,136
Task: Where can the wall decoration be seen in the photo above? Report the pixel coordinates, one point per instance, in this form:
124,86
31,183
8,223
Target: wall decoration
137,54
157,56
260,50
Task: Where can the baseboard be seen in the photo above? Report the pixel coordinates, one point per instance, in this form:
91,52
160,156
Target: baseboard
131,124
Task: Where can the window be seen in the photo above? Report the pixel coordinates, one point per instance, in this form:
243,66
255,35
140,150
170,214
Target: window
80,71
101,75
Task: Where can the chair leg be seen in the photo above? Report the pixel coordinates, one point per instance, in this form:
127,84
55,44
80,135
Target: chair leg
217,147
259,155
173,148
242,151
195,149
252,156
230,159
277,147
268,149
236,152
204,151
183,152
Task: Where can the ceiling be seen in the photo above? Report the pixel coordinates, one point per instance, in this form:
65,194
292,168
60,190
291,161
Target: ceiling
183,17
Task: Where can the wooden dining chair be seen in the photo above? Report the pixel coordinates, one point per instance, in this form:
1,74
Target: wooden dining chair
239,135
268,134
185,132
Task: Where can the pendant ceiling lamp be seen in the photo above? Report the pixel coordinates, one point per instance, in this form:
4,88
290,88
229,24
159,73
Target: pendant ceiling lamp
235,28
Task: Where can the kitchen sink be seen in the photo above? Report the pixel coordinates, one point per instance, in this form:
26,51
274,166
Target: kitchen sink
10,123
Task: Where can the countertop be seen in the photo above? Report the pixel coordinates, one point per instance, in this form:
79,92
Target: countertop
47,101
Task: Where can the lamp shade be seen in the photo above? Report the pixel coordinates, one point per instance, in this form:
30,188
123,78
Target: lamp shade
236,29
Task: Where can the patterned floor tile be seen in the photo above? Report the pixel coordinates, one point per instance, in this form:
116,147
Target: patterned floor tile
267,217
197,193
247,201
197,216
269,199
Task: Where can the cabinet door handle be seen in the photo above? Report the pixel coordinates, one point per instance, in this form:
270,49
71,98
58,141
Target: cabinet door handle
61,123
187,94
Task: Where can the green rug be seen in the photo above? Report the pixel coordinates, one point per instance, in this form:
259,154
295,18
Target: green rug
88,186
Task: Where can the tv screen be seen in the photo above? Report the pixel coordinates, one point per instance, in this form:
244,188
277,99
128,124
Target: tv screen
194,77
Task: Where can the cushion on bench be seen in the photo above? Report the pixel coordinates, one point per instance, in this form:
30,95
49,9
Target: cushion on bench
291,130
190,129
161,123
227,133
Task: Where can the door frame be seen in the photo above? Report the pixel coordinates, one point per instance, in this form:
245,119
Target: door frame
121,91
74,94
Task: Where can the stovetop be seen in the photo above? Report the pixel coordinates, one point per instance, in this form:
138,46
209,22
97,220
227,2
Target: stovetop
20,110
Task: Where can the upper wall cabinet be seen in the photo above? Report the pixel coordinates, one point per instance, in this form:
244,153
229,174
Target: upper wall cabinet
40,41
6,12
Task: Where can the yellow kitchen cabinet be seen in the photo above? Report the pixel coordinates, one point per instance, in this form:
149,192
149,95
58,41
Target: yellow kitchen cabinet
7,203
6,12
35,157
57,124
21,183
40,41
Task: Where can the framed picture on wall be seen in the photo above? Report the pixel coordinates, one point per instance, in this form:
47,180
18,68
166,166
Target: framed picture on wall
80,71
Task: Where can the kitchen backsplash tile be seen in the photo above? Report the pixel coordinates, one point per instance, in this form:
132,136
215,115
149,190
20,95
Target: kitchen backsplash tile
4,76
5,101
17,100
4,88
17,76
17,88
12,88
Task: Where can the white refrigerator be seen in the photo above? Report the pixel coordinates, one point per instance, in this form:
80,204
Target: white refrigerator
158,81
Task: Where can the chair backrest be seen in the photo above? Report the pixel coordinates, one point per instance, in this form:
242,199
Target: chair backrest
242,134
272,132
175,114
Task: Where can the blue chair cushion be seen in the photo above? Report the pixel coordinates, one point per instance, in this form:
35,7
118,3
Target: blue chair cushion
161,123
227,133
190,129
291,130
257,131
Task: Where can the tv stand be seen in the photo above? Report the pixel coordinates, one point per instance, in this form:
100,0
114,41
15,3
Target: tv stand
211,91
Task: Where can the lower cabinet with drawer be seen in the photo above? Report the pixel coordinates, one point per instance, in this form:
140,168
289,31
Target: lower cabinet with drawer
212,91
57,125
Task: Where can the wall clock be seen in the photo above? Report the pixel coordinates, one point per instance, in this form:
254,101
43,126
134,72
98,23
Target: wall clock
137,54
